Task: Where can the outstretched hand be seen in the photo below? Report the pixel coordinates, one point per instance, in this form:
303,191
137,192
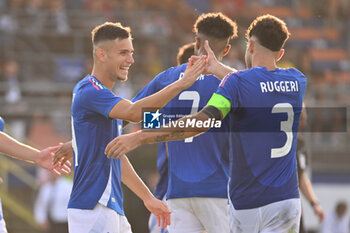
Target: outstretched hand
63,154
122,145
213,66
211,61
193,70
45,160
160,210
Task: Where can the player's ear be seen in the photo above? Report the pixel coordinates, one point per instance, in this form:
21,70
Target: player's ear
280,55
251,45
226,50
197,45
100,54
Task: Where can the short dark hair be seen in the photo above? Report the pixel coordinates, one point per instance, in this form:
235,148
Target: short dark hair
109,31
271,32
215,25
185,52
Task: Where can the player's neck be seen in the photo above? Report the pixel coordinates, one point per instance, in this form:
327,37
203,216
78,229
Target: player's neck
103,77
264,61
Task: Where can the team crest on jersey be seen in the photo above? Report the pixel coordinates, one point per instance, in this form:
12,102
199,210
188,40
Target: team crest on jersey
152,119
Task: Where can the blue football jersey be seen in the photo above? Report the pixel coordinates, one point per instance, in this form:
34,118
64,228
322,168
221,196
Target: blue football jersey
0,210
264,120
97,179
197,167
2,124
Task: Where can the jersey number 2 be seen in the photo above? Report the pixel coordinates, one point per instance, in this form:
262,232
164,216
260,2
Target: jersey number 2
286,126
194,96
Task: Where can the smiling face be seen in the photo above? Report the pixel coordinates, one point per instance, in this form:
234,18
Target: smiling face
119,58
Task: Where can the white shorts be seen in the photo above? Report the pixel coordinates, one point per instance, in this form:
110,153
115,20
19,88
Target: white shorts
153,225
278,217
198,215
2,221
99,220
2,226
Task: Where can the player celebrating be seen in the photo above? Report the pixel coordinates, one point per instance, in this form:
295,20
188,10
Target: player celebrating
197,186
96,200
44,158
264,105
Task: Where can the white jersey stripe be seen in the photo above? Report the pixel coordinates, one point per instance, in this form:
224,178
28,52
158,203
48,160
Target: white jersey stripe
107,193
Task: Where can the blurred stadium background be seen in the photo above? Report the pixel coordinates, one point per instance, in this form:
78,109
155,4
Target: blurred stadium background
45,48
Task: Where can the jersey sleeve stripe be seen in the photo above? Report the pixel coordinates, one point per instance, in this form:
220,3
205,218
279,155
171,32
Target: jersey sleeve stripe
229,75
225,79
94,84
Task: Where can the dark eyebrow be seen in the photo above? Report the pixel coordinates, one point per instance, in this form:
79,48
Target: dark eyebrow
126,50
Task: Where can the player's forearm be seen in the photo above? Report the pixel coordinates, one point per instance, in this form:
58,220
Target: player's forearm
13,148
133,181
222,70
172,134
306,189
157,100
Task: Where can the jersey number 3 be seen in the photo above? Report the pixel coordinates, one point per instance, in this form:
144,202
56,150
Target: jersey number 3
286,126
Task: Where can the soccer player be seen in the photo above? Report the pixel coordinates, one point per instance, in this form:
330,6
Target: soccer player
96,202
197,185
263,104
15,149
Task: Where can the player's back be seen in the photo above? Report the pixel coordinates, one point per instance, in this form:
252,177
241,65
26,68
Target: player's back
196,168
265,118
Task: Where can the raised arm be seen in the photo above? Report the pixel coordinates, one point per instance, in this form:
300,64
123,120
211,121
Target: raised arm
219,105
126,110
214,66
135,184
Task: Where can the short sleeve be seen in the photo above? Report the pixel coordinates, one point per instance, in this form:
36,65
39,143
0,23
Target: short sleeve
228,88
100,100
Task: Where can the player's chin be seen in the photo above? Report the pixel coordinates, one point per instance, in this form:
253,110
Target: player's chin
122,78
